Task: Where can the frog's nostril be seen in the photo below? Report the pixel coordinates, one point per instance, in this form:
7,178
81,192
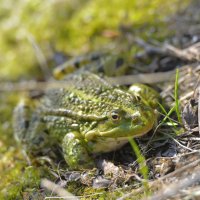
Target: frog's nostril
146,115
136,119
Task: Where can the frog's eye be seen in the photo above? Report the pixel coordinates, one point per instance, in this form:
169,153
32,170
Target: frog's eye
115,116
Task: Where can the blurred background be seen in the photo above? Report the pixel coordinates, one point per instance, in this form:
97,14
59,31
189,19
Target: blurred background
50,30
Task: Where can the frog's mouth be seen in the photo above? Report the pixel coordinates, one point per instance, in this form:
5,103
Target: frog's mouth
118,132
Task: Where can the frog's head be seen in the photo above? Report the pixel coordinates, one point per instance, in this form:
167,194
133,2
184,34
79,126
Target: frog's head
132,122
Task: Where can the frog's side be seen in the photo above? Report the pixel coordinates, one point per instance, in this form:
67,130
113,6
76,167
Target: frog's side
86,116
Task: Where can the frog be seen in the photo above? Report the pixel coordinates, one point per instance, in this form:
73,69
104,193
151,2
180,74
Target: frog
84,116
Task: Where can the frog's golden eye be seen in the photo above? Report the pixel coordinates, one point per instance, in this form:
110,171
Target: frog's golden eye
115,116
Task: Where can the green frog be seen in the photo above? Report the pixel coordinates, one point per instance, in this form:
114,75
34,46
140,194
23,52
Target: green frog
87,115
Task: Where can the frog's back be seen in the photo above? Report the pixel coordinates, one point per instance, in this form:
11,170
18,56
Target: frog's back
87,94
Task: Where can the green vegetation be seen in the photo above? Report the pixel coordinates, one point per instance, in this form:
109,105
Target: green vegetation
17,177
176,97
175,108
142,163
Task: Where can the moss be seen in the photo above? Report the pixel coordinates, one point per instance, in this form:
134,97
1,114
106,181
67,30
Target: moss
10,171
15,176
18,179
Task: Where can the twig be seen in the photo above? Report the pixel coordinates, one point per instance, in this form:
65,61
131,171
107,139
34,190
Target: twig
143,78
176,141
150,49
192,53
191,139
151,184
186,96
180,170
121,80
174,188
61,192
40,57
199,109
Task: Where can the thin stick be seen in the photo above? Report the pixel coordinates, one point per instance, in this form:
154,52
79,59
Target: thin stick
199,110
173,174
122,80
143,78
40,57
61,192
174,188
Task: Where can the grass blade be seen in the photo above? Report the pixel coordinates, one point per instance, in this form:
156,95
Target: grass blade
176,97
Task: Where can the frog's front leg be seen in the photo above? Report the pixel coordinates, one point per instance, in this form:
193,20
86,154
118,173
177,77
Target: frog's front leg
75,152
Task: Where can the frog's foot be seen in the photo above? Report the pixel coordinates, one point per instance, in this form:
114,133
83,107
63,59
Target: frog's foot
75,152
